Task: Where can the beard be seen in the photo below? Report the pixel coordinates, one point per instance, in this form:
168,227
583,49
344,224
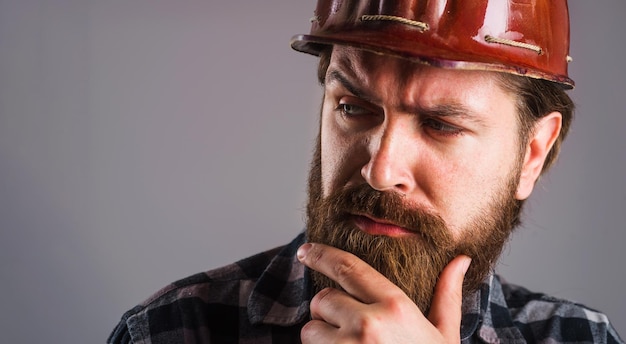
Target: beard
414,262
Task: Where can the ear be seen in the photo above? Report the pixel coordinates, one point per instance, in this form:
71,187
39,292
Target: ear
545,133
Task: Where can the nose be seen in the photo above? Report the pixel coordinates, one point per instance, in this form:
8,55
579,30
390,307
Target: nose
392,158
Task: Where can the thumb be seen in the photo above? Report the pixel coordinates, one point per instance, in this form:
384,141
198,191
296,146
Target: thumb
445,309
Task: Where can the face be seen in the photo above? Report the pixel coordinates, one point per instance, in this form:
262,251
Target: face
444,139
415,165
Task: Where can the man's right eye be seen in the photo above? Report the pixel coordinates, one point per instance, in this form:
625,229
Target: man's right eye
352,110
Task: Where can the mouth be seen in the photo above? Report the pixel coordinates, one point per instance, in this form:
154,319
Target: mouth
374,226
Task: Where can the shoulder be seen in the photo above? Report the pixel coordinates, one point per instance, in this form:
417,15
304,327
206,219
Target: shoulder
210,297
541,317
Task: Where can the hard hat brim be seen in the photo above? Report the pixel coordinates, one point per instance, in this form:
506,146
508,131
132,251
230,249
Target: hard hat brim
419,52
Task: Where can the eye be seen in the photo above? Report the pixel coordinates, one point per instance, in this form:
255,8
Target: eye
352,110
441,127
354,114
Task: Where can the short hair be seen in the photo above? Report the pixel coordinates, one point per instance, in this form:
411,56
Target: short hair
536,98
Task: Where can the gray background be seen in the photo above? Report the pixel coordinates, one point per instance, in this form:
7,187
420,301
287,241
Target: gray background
143,141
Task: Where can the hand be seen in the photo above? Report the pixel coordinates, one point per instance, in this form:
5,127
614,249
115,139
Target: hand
371,309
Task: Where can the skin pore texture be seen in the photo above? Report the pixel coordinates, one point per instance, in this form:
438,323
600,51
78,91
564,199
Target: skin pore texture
414,166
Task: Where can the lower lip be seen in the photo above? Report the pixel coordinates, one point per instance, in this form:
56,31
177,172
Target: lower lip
372,227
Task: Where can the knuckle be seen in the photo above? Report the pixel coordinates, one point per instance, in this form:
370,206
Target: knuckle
345,268
316,254
369,327
309,331
396,307
325,295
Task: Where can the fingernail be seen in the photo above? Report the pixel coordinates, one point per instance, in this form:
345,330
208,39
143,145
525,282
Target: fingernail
303,250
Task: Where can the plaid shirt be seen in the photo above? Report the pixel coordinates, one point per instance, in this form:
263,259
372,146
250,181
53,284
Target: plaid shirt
265,299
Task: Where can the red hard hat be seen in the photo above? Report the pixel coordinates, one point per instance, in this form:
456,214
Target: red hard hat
523,37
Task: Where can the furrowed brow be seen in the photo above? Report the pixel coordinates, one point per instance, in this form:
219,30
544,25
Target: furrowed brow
337,76
450,109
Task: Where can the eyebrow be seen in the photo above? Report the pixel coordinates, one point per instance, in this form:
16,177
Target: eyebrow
337,76
450,109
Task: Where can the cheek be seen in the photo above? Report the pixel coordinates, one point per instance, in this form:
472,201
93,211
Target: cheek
329,165
334,162
467,188
340,160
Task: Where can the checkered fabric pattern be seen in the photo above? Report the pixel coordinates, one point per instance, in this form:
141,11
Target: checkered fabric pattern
265,299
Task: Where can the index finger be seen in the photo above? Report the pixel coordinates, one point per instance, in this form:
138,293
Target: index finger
355,276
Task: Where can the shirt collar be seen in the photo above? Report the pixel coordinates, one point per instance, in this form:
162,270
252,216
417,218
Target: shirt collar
281,297
281,294
496,323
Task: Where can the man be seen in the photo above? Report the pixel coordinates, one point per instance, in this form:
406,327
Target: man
437,120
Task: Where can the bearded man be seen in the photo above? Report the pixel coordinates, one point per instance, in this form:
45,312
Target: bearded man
431,137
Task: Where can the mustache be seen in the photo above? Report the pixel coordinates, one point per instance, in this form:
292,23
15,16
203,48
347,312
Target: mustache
388,206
